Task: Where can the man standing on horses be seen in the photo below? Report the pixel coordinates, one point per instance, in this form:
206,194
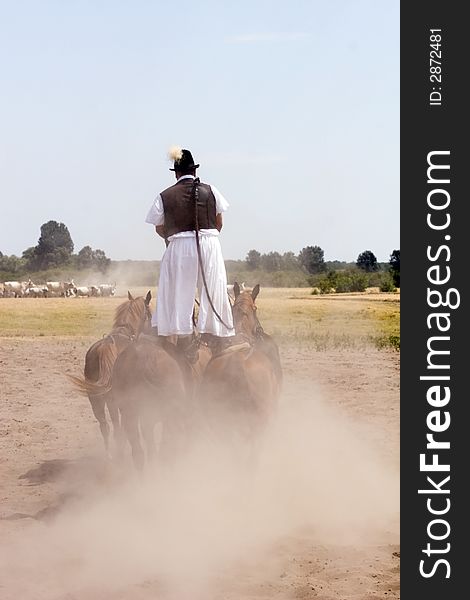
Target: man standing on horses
188,215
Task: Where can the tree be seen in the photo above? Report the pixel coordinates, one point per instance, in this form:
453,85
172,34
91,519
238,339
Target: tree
395,267
11,264
55,245
253,259
85,258
88,258
271,262
367,261
30,258
312,259
100,261
289,262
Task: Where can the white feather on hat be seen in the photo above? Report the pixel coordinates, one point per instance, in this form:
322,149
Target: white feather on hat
175,153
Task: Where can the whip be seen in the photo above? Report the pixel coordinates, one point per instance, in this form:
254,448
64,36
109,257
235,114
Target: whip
195,193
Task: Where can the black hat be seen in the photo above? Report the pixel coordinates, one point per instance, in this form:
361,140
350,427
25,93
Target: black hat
185,162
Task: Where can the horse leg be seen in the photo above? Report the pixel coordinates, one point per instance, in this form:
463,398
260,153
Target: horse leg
118,434
255,448
97,406
147,426
130,422
169,444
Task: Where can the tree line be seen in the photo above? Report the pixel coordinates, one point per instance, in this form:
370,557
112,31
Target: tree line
338,276
54,250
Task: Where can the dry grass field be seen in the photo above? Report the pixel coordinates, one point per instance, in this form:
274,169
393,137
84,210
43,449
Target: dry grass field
292,315
318,518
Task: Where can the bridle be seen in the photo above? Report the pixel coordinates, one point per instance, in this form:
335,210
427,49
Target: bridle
257,332
147,318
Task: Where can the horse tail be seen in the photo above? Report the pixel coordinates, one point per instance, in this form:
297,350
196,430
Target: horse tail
99,365
89,388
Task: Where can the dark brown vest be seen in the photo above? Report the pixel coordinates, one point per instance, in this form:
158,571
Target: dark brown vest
179,209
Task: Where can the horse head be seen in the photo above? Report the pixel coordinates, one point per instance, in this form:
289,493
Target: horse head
244,312
135,314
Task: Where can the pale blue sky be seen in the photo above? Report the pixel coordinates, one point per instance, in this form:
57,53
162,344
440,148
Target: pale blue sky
292,109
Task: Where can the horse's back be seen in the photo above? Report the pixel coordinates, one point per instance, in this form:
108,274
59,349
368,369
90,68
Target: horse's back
146,372
102,354
149,387
242,385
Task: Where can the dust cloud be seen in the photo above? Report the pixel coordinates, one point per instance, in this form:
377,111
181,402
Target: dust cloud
181,526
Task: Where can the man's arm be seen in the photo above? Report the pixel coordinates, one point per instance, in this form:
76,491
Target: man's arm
221,205
156,217
160,229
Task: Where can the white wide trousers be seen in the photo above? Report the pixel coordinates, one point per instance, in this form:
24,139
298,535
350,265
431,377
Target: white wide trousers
180,277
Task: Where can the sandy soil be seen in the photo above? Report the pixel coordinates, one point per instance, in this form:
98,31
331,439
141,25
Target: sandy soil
320,521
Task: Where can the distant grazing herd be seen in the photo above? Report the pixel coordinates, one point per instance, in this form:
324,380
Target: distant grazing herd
66,289
54,289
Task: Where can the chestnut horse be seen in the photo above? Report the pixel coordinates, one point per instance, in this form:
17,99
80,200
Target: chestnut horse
152,382
241,387
131,319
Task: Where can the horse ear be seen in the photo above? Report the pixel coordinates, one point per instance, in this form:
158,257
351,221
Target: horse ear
236,289
129,295
148,297
255,292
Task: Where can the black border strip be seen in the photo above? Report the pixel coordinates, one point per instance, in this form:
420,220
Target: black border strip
425,128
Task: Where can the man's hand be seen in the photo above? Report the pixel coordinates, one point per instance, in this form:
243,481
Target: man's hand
218,221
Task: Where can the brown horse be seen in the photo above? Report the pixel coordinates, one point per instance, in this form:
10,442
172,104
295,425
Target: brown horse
131,319
152,383
240,388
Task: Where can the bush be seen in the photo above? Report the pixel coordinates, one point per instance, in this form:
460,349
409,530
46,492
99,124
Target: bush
388,341
12,267
326,284
351,282
387,284
265,279
325,287
374,279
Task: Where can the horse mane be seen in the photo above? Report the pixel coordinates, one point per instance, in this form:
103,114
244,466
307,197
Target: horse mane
130,313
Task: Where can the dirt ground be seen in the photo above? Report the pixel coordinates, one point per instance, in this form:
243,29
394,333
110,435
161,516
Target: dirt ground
318,520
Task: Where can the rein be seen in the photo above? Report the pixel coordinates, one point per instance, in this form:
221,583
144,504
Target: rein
127,333
195,193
